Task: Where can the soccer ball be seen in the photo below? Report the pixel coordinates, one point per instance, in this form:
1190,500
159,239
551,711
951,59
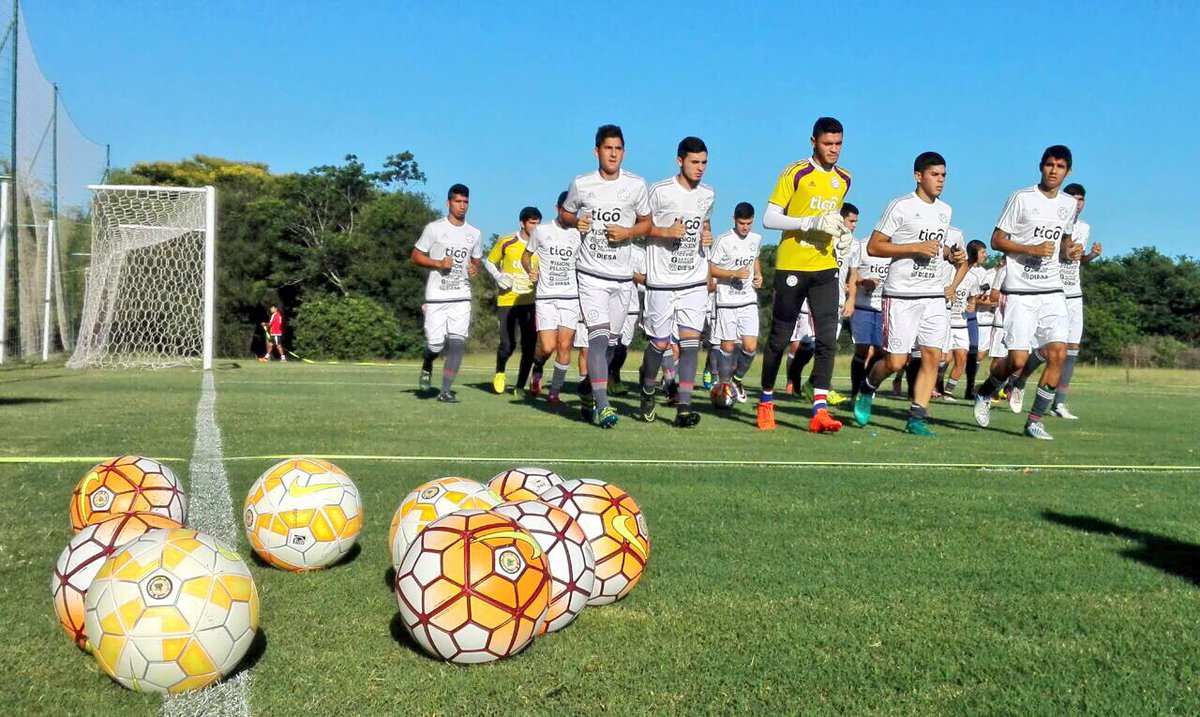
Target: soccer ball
81,560
473,587
523,483
721,398
430,501
568,552
303,514
127,484
616,529
171,611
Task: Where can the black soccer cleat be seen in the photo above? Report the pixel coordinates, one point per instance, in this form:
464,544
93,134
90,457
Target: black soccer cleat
647,412
685,417
447,397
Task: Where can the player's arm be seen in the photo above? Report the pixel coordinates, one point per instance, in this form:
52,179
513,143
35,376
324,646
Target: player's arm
528,265
1001,241
423,260
1093,253
1069,249
881,245
665,235
494,257
758,275
852,282
641,228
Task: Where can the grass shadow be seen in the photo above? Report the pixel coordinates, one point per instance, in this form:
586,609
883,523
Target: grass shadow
1169,555
258,648
389,578
402,637
26,400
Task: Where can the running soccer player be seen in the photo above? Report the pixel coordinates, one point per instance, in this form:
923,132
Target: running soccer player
609,207
804,205
1034,231
865,282
677,276
553,246
913,232
958,348
451,250
633,315
735,267
514,302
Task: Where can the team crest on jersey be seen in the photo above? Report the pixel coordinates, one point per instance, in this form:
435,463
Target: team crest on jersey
835,183
703,202
792,280
942,217
623,195
1062,212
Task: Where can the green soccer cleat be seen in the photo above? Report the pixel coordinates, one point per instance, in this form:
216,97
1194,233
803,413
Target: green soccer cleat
605,417
862,408
917,427
708,380
834,398
806,390
518,393
425,383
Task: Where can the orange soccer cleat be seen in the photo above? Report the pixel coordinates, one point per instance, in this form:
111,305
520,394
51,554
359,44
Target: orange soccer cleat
766,415
822,422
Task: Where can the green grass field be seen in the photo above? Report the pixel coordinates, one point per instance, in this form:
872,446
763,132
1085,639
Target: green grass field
776,584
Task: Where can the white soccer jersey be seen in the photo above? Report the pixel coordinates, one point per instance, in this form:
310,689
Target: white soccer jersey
1070,269
968,287
555,246
730,251
678,264
620,201
910,220
439,239
869,267
637,261
1032,218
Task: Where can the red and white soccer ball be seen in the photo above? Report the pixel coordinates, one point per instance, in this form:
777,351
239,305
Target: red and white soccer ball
430,501
616,530
572,562
127,484
525,483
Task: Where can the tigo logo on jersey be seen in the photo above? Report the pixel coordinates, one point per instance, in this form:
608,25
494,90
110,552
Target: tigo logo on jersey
822,205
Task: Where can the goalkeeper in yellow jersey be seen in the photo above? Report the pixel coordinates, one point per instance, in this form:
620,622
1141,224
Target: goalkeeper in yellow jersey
514,300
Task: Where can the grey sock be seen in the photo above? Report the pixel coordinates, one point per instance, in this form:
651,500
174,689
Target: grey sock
1064,378
744,359
560,375
689,357
455,347
724,365
1031,364
598,364
1041,404
652,361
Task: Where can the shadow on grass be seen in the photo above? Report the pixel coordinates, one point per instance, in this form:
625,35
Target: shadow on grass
26,400
403,638
258,647
1158,551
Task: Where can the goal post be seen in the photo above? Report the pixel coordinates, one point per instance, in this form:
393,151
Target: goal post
150,289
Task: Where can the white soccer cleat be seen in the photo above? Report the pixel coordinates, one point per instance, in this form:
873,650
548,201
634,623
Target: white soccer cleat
983,408
948,398
1061,410
1016,399
1035,429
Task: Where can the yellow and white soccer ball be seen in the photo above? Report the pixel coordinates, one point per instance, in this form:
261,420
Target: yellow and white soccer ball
171,611
430,501
303,514
524,483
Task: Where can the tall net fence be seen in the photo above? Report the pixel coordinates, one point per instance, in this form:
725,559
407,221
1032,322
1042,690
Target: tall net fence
53,164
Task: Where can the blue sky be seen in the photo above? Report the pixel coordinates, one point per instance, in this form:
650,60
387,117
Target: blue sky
506,96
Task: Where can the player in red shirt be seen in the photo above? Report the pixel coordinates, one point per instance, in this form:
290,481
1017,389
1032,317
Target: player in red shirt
275,334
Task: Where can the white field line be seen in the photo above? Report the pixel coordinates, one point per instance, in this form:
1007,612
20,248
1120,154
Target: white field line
210,510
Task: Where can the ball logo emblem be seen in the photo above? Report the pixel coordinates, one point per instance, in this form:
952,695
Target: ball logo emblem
159,587
249,519
101,499
429,493
510,563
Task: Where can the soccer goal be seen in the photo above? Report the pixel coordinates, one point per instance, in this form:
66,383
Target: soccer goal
148,301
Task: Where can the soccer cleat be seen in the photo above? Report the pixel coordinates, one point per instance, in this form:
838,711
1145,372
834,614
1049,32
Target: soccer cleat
498,383
685,417
426,381
552,397
604,417
983,407
862,408
739,391
1016,399
948,398
766,415
647,412
1035,429
518,393
1061,410
806,392
917,427
447,397
835,399
616,387
1001,395
535,384
264,359
822,422
586,402
283,359
708,380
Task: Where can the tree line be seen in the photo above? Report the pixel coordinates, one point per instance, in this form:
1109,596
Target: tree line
330,246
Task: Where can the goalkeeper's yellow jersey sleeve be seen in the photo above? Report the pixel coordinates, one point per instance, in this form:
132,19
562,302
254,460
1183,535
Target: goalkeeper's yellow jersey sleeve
506,253
804,189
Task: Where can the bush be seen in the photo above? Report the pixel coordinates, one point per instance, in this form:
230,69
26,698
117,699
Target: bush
345,328
1159,352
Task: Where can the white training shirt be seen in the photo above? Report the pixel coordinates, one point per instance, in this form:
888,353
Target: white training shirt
908,219
730,251
869,267
678,264
968,287
438,239
1031,218
1070,269
987,282
637,260
555,246
619,201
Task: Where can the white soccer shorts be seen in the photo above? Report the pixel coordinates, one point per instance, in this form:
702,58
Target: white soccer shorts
629,328
603,301
957,339
554,314
908,323
444,319
804,327
1074,319
581,336
1033,320
667,309
735,322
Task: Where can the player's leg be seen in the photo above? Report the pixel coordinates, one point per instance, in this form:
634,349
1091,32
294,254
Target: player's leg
971,361
900,325
958,357
606,303
458,326
861,329
824,302
525,324
1010,349
1074,336
435,342
545,322
785,307
508,342
690,308
657,324
747,328
723,328
931,337
1051,334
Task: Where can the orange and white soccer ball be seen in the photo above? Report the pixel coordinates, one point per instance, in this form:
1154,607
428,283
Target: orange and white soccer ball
473,587
303,514
82,558
171,611
430,501
615,528
525,483
568,552
128,484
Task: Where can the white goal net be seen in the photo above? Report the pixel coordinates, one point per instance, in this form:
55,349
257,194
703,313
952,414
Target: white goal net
148,300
